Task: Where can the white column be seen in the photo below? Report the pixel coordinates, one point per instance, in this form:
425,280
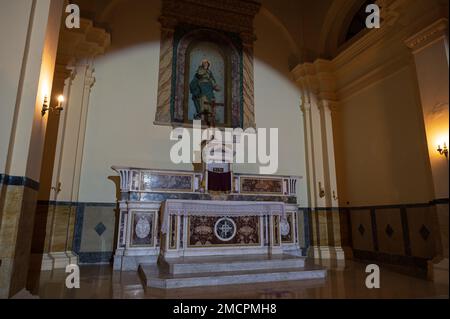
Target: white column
71,146
316,81
77,50
306,109
61,135
329,165
315,174
317,148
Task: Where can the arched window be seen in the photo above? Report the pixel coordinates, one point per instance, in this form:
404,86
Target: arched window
357,23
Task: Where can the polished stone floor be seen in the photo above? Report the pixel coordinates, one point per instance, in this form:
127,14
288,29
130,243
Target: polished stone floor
342,282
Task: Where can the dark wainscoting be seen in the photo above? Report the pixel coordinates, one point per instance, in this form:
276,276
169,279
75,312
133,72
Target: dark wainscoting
402,237
19,181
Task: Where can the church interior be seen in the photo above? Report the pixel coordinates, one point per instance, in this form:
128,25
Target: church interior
341,108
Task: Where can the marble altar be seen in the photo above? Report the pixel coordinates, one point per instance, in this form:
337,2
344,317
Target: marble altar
168,214
178,234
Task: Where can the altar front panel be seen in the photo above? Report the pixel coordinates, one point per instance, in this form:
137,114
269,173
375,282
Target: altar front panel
197,236
201,232
143,229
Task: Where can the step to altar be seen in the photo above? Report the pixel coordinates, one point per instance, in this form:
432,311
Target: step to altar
186,265
217,271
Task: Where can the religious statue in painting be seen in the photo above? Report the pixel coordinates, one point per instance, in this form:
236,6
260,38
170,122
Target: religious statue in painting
202,87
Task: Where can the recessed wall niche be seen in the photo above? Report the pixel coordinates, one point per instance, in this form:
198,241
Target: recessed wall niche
206,63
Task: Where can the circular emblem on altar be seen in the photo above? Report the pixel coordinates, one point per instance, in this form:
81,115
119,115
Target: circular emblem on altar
142,228
285,228
225,229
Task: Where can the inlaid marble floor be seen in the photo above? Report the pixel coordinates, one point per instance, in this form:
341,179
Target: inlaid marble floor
342,282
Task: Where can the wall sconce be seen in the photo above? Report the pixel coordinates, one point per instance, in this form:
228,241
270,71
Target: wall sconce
46,107
59,107
443,151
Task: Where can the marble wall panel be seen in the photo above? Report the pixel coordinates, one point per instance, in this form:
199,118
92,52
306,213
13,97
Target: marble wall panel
60,227
16,229
98,229
361,228
334,228
251,185
442,216
322,222
11,207
421,231
390,231
303,229
11,203
289,238
142,229
167,182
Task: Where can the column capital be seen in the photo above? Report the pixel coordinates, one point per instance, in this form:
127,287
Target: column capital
305,106
328,105
84,43
434,32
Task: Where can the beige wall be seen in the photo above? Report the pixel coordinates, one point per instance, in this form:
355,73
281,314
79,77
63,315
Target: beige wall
380,144
380,140
31,80
25,82
14,15
120,128
432,74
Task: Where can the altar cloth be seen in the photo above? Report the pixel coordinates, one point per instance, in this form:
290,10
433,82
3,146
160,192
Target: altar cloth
218,208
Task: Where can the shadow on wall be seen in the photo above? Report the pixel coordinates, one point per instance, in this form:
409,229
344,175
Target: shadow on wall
133,24
137,24
130,66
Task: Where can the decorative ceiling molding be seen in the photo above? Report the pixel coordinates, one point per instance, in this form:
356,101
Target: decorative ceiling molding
75,45
227,15
436,31
86,42
316,78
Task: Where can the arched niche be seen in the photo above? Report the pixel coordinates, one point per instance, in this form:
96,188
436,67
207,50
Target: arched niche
225,55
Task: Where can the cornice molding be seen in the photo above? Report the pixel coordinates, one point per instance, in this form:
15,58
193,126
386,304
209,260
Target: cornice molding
372,77
86,42
228,15
78,45
317,78
434,32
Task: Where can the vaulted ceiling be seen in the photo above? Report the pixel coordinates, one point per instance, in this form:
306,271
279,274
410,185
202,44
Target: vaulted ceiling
307,23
